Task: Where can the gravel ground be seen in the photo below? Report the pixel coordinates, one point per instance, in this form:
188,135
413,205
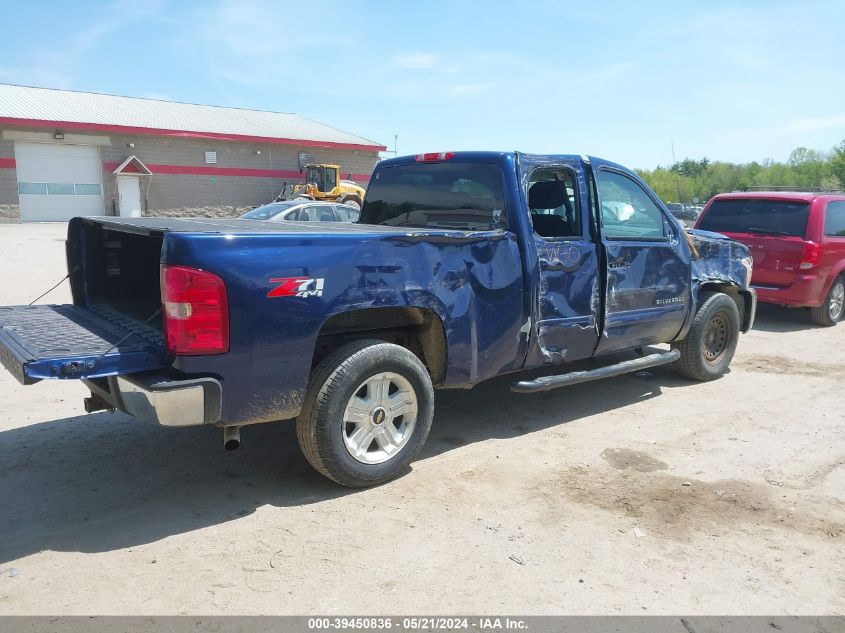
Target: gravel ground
641,494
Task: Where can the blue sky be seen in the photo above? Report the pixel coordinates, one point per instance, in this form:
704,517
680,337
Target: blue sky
736,81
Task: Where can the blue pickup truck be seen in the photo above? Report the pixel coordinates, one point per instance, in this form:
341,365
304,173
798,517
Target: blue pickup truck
463,266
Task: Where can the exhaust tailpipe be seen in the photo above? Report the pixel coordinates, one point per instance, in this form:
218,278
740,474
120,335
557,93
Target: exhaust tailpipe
231,437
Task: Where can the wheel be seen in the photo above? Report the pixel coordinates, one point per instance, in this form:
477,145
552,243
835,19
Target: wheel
367,413
830,312
352,202
709,347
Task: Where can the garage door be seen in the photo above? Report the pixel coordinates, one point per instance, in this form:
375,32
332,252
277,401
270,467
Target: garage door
57,182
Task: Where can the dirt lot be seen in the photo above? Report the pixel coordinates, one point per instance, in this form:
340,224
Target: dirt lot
641,495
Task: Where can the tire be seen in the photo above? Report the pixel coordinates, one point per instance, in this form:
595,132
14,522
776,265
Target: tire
352,202
709,347
343,408
830,312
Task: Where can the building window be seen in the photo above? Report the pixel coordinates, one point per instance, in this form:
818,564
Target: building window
33,188
87,190
58,189
211,158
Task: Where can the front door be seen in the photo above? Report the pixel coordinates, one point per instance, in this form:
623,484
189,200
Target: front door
567,301
647,277
129,196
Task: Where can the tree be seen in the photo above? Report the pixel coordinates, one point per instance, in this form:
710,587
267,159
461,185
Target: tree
805,167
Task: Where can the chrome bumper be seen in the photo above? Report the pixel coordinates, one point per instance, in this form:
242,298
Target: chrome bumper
750,296
163,401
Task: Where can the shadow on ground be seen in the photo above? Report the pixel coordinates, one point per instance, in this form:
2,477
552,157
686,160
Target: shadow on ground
772,318
103,481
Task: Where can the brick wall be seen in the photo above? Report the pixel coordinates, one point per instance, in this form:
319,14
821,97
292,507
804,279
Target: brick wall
192,194
189,194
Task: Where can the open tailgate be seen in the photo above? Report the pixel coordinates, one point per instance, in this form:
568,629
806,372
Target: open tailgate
69,341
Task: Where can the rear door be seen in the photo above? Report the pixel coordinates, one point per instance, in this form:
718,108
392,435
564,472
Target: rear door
647,265
567,303
773,230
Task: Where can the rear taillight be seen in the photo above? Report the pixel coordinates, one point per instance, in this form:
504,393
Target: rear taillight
196,311
811,255
433,156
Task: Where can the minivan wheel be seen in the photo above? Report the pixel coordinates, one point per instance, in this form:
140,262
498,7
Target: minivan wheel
367,413
830,311
709,347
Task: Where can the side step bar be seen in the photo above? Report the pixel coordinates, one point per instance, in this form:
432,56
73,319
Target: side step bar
547,383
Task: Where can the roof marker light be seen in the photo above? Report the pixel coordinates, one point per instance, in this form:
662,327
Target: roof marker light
433,156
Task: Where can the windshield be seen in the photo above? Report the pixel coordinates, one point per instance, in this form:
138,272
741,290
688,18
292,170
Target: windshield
766,217
437,195
269,210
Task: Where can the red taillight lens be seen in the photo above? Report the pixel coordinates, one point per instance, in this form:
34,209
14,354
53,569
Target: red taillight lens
432,156
196,311
811,256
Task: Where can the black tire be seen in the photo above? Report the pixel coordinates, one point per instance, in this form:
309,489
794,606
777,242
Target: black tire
830,312
321,428
709,347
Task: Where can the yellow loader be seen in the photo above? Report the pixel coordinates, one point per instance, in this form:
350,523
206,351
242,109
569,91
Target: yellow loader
323,182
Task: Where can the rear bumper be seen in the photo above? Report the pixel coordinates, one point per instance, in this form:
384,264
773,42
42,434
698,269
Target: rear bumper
161,400
808,291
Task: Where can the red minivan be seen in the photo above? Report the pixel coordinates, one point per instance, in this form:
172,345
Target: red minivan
797,241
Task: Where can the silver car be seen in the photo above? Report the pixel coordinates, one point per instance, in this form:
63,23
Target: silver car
303,211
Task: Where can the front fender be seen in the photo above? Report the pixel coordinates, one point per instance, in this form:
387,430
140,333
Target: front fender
717,264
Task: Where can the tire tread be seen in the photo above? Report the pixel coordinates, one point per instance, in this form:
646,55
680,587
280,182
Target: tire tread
688,364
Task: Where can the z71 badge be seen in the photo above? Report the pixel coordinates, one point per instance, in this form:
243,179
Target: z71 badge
297,287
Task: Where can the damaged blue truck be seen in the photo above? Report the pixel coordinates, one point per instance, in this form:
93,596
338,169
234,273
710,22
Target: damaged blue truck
464,266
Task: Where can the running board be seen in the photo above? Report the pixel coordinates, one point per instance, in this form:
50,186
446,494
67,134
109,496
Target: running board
547,383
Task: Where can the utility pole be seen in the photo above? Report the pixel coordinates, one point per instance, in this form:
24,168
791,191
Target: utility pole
675,162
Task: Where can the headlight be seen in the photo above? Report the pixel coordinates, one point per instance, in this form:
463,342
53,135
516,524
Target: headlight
748,263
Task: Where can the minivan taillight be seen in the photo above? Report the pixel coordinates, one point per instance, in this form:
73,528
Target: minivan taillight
811,255
196,311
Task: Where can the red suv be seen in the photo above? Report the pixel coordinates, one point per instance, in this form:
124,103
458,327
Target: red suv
797,241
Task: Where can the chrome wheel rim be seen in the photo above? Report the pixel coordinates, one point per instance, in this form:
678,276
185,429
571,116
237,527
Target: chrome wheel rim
379,418
716,339
837,301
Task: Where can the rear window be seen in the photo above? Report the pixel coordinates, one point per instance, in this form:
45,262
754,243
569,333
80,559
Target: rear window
437,195
766,217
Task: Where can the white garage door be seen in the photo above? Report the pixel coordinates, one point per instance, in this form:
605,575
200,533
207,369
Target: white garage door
57,182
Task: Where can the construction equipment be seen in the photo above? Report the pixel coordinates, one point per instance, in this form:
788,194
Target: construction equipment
322,182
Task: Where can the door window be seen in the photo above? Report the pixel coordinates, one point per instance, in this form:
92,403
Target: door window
834,219
627,211
331,179
317,213
325,213
551,199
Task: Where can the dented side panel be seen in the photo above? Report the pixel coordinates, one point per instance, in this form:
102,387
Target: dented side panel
472,281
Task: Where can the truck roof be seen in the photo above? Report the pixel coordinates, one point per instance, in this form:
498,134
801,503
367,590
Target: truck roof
471,157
